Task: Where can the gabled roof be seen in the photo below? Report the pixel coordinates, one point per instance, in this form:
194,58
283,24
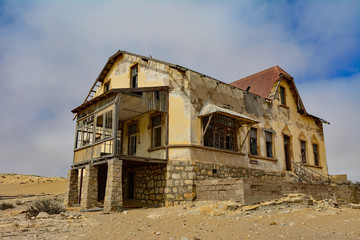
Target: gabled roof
262,82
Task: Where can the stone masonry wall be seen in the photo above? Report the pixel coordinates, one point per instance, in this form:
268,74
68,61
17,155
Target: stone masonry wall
181,177
248,191
149,183
71,192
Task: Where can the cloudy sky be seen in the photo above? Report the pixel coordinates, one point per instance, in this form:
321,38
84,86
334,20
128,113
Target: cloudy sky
52,51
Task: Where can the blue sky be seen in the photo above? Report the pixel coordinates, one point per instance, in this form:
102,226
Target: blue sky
52,51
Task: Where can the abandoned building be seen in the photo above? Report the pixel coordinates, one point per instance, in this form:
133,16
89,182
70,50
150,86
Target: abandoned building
149,131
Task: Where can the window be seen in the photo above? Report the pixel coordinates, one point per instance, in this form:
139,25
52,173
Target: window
132,138
103,126
220,132
303,151
253,141
282,96
269,144
106,86
84,135
156,131
316,154
134,76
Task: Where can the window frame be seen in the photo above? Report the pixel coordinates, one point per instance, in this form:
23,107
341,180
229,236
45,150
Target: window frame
316,154
282,93
131,137
106,86
134,76
303,158
216,134
154,128
253,149
271,142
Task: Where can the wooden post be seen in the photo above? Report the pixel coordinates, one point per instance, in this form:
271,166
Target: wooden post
204,131
115,122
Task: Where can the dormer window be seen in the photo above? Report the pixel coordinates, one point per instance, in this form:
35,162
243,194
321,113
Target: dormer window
282,96
106,86
134,76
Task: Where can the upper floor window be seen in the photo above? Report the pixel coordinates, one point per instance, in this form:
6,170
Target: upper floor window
156,130
134,76
303,151
316,154
220,133
282,96
269,144
106,86
132,138
253,141
85,132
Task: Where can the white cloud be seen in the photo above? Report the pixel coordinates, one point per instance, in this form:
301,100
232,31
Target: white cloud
52,51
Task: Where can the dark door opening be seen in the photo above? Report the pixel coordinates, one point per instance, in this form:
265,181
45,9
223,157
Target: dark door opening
102,177
287,152
131,185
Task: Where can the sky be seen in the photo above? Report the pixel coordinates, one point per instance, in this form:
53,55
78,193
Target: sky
51,52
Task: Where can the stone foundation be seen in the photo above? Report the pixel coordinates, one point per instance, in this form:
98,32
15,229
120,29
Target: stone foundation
114,195
89,193
71,192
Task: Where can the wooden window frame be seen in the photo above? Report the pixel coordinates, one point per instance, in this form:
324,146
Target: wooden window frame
282,93
133,76
252,142
217,131
132,135
303,156
106,86
316,155
272,144
155,127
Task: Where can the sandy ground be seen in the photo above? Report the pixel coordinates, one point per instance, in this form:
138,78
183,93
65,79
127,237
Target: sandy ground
197,221
17,185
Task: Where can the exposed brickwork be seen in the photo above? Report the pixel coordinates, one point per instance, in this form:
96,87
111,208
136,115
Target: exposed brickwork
71,192
113,195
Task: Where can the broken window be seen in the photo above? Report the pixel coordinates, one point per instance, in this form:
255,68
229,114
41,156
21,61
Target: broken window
282,96
103,126
84,135
156,131
253,141
316,154
220,132
134,76
132,138
269,144
303,151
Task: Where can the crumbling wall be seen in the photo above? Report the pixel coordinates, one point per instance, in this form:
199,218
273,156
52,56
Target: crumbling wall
249,191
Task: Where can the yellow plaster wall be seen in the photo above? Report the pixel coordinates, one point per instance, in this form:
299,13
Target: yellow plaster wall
149,73
144,136
271,116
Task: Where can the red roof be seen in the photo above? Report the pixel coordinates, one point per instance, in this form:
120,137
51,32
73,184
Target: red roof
261,82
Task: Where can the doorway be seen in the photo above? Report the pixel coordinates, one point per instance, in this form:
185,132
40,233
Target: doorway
287,153
102,177
131,185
